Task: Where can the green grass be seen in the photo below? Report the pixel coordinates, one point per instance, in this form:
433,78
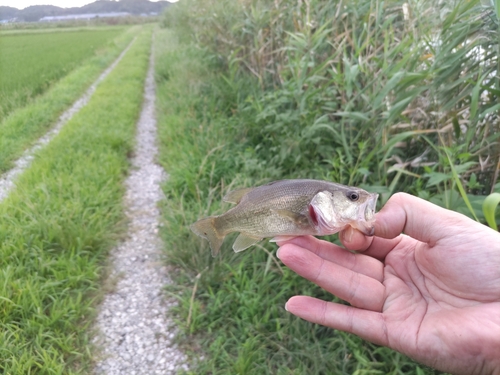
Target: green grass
58,224
31,63
25,125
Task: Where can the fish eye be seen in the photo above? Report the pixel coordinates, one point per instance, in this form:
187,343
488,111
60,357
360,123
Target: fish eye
353,196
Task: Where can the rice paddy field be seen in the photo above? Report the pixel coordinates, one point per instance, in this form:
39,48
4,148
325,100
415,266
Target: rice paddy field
31,62
33,116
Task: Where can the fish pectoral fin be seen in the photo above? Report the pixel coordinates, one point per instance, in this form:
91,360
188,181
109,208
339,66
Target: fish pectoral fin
294,217
244,241
236,195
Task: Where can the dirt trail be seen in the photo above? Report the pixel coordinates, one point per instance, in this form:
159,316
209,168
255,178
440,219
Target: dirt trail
7,180
135,335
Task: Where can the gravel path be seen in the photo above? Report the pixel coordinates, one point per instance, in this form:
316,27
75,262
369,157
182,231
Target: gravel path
7,180
135,334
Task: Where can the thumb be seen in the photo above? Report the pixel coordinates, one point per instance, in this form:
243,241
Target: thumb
419,219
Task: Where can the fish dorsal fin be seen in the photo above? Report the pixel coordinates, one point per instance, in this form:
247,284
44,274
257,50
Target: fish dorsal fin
244,241
294,217
236,195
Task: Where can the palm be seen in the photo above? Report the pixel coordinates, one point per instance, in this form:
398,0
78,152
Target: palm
433,304
436,299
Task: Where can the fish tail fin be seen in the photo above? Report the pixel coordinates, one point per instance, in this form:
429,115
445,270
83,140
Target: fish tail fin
206,228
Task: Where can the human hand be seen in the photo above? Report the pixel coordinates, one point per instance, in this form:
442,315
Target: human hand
432,293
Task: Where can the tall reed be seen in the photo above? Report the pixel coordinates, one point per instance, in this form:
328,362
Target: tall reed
355,90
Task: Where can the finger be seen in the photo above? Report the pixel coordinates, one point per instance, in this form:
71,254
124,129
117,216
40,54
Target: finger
356,288
404,213
369,325
373,246
355,262
421,220
353,239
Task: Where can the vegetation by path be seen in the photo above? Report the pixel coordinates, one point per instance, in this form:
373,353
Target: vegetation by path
57,226
24,126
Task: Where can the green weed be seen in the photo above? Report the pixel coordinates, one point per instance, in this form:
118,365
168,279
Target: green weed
347,90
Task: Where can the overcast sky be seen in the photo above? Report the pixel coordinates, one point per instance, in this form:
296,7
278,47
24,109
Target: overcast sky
21,4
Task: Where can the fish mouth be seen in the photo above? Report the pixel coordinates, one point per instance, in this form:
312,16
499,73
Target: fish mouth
366,216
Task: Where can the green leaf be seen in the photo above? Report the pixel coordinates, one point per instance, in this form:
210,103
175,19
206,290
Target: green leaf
456,126
353,115
435,178
459,184
494,108
475,98
496,5
390,85
489,206
399,107
461,168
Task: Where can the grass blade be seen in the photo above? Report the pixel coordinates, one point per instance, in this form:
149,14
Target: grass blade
460,187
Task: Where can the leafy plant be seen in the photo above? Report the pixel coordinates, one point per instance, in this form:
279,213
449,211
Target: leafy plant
490,204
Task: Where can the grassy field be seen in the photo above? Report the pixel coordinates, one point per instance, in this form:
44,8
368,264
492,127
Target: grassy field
26,124
58,224
31,62
351,92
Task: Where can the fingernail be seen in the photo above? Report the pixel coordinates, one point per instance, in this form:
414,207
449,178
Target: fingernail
278,253
286,308
350,234
347,234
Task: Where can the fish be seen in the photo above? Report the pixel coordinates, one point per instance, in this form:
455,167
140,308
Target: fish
289,208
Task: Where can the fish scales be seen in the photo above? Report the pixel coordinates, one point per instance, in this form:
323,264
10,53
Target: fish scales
263,203
291,208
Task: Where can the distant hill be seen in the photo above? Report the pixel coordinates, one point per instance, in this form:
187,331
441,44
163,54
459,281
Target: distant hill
35,12
8,12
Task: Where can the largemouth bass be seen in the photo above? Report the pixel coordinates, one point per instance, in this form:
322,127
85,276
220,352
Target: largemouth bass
289,208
